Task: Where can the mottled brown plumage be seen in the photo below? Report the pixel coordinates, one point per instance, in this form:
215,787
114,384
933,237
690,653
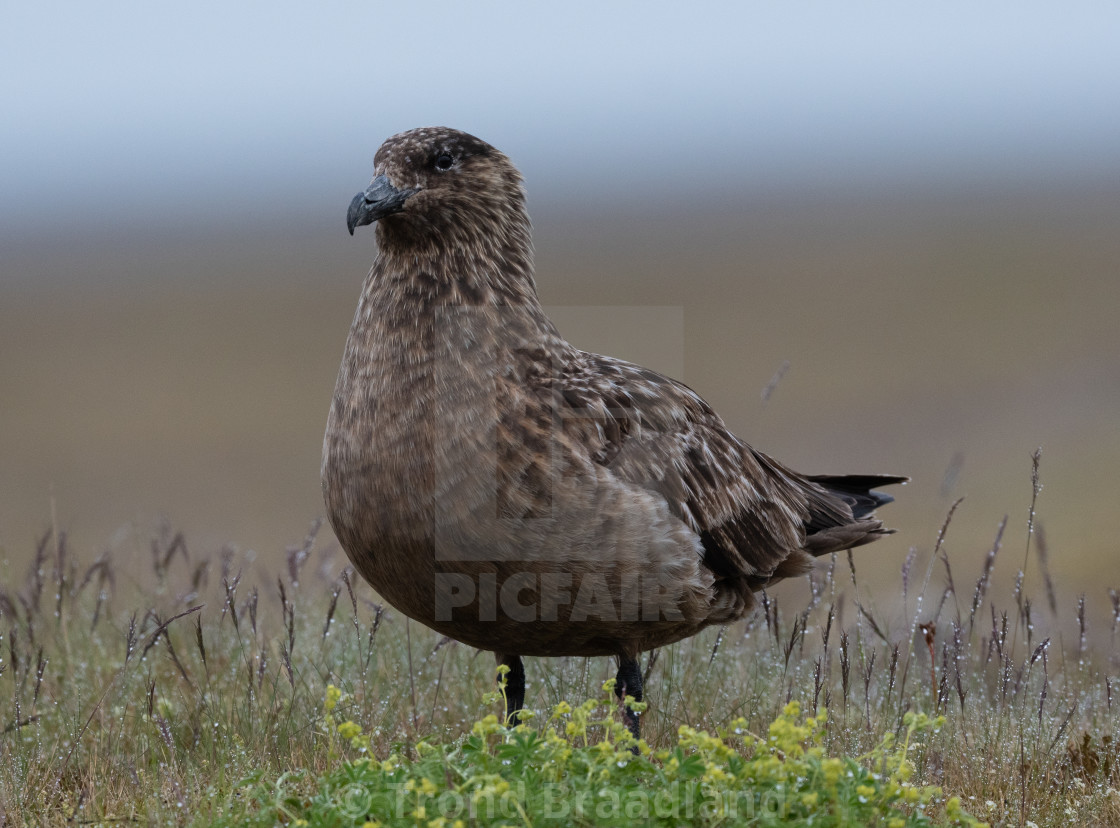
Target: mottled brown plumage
516,493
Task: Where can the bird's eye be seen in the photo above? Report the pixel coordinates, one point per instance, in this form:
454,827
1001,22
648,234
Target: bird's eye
444,162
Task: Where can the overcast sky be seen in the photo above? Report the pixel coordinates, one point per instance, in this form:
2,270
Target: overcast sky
114,111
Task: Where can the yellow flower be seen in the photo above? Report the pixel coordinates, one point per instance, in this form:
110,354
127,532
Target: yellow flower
832,768
427,786
348,730
715,773
486,726
333,695
905,770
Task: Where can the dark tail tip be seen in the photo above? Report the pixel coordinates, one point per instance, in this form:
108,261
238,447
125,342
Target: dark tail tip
857,490
881,498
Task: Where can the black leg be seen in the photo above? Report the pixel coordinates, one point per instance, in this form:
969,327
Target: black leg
515,687
628,682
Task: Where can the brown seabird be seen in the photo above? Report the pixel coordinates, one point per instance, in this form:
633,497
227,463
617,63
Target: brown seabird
511,491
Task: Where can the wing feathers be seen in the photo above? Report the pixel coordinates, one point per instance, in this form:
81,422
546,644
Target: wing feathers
756,519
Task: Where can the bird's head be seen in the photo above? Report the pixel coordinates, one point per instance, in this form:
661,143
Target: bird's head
436,183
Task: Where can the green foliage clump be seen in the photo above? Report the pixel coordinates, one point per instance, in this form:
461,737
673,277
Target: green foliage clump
582,767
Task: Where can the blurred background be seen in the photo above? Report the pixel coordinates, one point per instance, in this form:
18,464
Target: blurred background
910,213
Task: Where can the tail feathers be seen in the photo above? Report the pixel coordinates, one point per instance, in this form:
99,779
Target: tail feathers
832,527
846,536
856,490
840,516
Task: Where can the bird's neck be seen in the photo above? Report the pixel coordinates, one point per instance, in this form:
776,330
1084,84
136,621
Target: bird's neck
457,266
439,295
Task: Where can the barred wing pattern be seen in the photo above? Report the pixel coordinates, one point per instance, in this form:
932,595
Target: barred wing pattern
757,519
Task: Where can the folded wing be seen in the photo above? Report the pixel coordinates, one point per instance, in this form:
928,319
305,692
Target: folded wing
756,519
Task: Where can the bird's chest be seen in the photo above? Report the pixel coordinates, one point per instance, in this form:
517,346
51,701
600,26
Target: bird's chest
414,428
